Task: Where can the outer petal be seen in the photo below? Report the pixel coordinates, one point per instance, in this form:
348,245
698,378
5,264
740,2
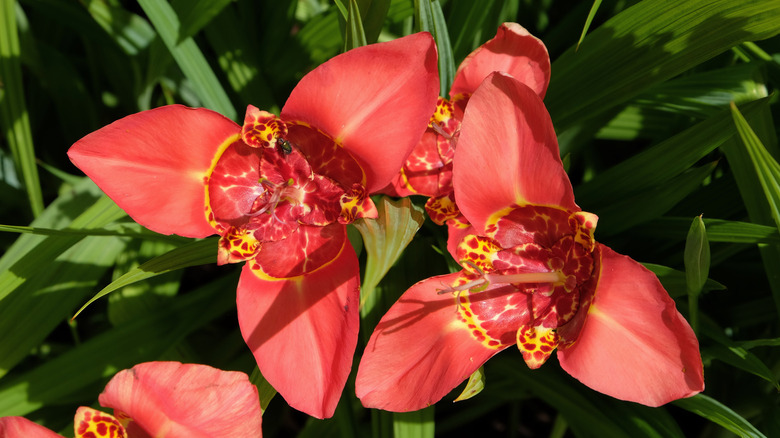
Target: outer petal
507,153
634,344
152,164
20,427
177,400
419,351
303,330
374,100
513,51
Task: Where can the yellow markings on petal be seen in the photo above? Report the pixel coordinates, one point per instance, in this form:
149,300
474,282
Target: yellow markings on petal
536,343
91,423
356,204
473,323
442,208
262,129
585,225
237,245
475,254
443,113
206,202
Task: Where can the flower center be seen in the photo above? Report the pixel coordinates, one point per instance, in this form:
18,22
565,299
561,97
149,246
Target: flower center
276,183
525,279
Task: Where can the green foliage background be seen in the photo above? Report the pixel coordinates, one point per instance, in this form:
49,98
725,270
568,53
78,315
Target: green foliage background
641,108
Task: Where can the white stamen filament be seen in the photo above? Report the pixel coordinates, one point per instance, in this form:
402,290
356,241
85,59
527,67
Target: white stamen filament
528,277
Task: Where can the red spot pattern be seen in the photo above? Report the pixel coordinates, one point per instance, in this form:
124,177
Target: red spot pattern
260,197
527,240
91,423
261,129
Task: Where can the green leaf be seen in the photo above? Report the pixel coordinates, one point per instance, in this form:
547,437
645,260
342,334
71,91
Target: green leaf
264,389
742,359
43,278
240,61
766,168
355,36
660,163
718,413
675,281
189,57
718,230
131,32
591,14
587,412
465,21
374,13
696,258
752,192
385,238
446,59
14,118
622,214
127,229
429,18
138,299
474,386
196,15
646,44
197,253
94,361
417,424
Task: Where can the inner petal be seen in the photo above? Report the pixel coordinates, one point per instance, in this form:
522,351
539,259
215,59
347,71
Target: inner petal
326,156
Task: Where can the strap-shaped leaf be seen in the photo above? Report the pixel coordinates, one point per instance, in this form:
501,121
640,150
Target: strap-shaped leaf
145,339
196,253
14,119
189,57
646,44
716,412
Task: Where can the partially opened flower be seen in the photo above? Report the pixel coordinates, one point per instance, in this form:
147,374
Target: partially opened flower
279,191
428,170
157,399
532,276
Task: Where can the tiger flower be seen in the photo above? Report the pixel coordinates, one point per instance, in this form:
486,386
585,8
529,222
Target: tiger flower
279,192
428,170
156,399
533,276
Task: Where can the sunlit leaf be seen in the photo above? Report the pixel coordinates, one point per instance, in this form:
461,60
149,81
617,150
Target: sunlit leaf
591,14
14,118
474,386
718,413
648,43
196,253
189,57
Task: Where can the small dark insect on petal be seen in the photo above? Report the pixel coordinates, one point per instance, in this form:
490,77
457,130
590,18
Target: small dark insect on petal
284,145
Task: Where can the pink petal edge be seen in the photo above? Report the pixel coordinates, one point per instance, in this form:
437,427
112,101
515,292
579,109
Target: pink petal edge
152,164
634,344
185,400
303,330
20,427
513,51
419,351
507,153
374,100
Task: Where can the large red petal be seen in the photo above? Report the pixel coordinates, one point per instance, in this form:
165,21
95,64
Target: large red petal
303,330
20,427
185,400
419,351
374,100
634,344
152,164
513,51
507,153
